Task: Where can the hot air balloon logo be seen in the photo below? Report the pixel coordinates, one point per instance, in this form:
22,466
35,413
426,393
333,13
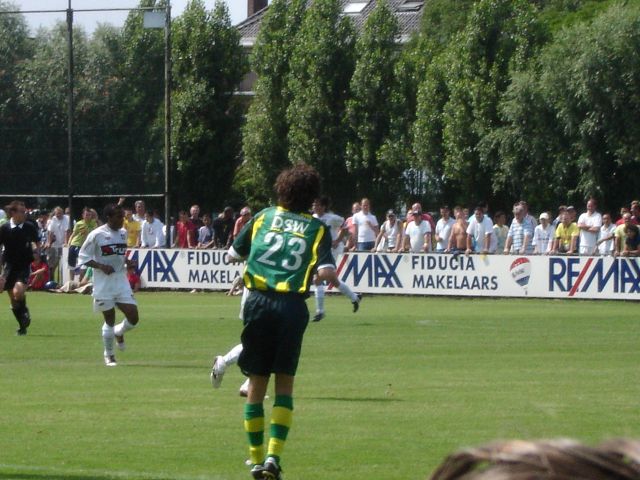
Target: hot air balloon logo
520,272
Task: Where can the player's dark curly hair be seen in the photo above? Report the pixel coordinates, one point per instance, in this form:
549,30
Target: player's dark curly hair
297,187
110,209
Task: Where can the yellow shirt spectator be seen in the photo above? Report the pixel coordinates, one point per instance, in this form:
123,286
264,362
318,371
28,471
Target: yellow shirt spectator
565,234
133,229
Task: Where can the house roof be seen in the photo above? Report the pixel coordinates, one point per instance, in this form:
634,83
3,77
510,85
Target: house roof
408,13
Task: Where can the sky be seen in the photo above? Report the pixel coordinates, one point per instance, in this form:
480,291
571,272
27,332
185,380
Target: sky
89,20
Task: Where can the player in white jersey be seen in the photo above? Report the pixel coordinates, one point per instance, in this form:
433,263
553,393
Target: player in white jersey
105,250
336,226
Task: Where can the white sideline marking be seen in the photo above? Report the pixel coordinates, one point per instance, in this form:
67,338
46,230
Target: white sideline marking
108,473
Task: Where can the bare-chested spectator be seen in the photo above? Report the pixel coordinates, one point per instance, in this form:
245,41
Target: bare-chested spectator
458,238
241,221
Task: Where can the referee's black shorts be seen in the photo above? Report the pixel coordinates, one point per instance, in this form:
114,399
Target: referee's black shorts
274,324
14,275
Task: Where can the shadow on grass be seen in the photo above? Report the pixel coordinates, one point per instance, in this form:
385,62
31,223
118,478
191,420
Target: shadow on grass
354,399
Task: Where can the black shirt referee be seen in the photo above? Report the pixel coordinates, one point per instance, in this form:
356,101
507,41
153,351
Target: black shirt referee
20,240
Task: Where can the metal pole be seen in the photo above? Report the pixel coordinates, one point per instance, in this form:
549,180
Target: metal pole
167,120
70,108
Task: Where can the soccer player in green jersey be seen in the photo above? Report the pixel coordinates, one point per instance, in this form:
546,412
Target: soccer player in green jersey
284,246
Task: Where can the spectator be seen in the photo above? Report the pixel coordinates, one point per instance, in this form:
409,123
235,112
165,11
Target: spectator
458,238
84,286
500,231
132,276
417,235
425,216
140,213
589,224
43,235
391,233
242,220
223,229
543,236
606,237
350,226
58,232
558,220
366,226
194,216
152,235
3,217
39,275
205,233
480,233
133,229
566,236
81,230
620,236
632,241
443,229
635,212
520,233
527,216
185,231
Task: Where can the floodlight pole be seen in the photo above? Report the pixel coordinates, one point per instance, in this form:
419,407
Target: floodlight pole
70,88
167,120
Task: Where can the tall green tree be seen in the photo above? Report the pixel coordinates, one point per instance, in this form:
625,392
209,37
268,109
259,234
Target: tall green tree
15,47
321,67
265,143
368,109
209,64
501,35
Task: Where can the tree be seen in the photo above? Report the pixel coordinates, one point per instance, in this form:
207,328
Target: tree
369,107
265,143
209,64
14,49
321,66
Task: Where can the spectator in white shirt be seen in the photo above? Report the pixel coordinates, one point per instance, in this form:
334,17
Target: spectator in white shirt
152,235
480,237
390,237
589,224
417,234
366,227
443,229
543,236
606,238
57,236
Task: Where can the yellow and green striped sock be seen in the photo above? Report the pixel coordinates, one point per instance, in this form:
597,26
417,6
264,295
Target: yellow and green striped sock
280,423
254,426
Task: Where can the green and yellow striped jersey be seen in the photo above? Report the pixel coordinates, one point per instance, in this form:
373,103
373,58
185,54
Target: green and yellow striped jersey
283,250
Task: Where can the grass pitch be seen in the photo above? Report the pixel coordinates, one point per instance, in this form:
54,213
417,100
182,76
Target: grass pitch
385,393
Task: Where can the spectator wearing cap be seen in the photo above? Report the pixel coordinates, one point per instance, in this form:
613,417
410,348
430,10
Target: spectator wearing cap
589,224
242,220
443,229
390,237
566,236
417,234
543,236
223,229
520,233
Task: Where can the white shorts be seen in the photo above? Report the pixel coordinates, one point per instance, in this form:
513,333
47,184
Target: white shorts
102,305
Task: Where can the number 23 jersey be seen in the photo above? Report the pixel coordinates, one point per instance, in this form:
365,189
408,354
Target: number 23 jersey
283,250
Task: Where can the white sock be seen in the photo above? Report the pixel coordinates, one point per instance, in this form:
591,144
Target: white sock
123,326
319,298
232,357
107,339
345,290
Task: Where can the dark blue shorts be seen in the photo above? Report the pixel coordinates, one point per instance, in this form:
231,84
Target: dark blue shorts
274,325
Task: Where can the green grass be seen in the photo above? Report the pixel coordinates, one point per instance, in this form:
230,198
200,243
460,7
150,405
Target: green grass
385,393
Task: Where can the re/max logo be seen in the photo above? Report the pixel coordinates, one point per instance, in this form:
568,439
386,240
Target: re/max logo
156,264
567,275
377,270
